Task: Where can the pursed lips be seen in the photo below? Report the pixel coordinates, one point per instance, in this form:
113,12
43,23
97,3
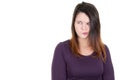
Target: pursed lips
85,33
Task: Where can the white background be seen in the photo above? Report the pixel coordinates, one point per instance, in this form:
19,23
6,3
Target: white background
31,29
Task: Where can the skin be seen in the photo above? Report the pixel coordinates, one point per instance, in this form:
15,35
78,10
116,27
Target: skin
82,28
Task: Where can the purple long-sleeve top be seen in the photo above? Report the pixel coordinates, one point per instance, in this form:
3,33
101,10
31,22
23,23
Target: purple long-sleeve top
67,66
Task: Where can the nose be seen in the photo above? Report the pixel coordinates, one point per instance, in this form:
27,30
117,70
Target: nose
84,26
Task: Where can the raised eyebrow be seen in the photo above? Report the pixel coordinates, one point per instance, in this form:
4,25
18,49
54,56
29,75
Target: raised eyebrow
82,21
78,20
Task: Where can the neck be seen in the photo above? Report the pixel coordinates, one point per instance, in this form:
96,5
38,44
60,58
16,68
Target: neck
85,47
83,43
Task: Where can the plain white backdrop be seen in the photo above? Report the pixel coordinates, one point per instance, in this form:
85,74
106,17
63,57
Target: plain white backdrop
31,29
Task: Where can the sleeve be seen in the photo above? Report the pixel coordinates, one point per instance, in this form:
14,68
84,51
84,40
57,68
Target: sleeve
58,64
108,73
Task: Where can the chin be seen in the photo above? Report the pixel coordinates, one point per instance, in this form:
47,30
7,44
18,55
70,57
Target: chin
83,37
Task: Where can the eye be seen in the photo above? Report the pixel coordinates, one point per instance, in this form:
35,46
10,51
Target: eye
79,22
88,23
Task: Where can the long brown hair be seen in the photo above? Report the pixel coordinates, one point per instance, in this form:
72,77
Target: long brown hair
94,34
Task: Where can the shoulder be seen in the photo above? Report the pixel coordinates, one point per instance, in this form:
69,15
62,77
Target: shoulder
106,48
108,54
63,43
62,46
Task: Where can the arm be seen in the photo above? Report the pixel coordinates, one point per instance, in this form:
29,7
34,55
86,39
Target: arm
108,73
58,64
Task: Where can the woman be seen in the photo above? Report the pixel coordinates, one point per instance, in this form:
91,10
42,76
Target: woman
84,56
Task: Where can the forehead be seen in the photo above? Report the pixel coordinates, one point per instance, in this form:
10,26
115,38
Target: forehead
82,17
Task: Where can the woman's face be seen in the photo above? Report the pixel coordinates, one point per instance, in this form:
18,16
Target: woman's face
82,25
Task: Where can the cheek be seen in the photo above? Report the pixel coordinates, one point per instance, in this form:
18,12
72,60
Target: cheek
88,28
77,28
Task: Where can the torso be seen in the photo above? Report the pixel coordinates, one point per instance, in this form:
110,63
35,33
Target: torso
84,67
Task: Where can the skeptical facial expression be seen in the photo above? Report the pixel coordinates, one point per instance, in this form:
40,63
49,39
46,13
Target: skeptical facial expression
82,25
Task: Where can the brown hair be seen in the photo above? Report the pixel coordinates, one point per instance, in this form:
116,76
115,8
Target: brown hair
94,34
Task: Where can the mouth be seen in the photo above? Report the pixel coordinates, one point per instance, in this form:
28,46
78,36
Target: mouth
85,33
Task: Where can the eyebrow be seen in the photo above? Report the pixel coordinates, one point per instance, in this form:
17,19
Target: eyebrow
82,21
